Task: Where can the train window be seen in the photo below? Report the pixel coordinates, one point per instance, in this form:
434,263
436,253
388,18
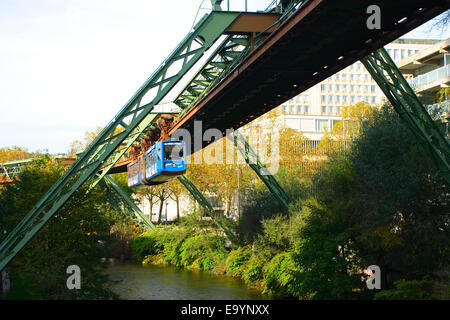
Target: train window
149,159
173,151
158,155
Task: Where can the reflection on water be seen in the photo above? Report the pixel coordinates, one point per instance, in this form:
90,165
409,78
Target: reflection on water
170,283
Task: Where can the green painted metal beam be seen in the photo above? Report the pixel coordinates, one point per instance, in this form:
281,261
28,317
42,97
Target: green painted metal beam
132,114
9,170
115,200
404,100
129,202
198,196
232,50
261,170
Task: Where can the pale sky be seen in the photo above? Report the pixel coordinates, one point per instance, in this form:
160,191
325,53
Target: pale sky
67,67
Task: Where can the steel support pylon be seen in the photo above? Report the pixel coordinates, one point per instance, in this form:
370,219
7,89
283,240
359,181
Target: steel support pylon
404,100
134,209
261,170
198,196
132,116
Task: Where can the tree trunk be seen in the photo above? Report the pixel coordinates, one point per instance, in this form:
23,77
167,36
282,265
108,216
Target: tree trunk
227,211
160,211
151,210
178,208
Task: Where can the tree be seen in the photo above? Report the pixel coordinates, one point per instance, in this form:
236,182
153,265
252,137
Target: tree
162,194
150,194
14,153
389,202
89,136
78,234
176,190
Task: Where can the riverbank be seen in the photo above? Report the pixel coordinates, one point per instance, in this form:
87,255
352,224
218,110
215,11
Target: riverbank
204,250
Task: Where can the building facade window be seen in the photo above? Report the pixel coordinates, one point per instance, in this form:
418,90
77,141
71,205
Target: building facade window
321,125
299,109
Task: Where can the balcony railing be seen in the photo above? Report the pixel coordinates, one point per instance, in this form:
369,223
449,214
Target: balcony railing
430,77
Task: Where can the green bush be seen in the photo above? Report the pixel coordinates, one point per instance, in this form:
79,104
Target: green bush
407,290
181,248
236,259
252,271
155,241
281,274
203,251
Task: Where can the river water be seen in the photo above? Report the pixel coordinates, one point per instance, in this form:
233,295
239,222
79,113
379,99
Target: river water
171,283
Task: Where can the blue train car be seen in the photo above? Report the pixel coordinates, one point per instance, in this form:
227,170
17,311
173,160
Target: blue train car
162,162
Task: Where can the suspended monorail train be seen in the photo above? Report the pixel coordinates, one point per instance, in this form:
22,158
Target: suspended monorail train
163,161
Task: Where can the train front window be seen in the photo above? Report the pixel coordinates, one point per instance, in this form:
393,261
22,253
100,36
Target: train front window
173,151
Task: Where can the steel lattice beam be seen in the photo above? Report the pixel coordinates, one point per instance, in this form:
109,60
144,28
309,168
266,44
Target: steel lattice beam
227,55
404,100
185,55
261,170
198,196
110,183
9,170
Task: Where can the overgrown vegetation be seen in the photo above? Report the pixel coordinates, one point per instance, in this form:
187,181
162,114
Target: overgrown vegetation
182,247
85,230
380,202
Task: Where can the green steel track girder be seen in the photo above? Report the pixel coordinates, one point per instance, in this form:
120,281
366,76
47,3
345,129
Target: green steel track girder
109,184
198,196
137,134
166,76
404,100
227,55
119,205
9,170
261,170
